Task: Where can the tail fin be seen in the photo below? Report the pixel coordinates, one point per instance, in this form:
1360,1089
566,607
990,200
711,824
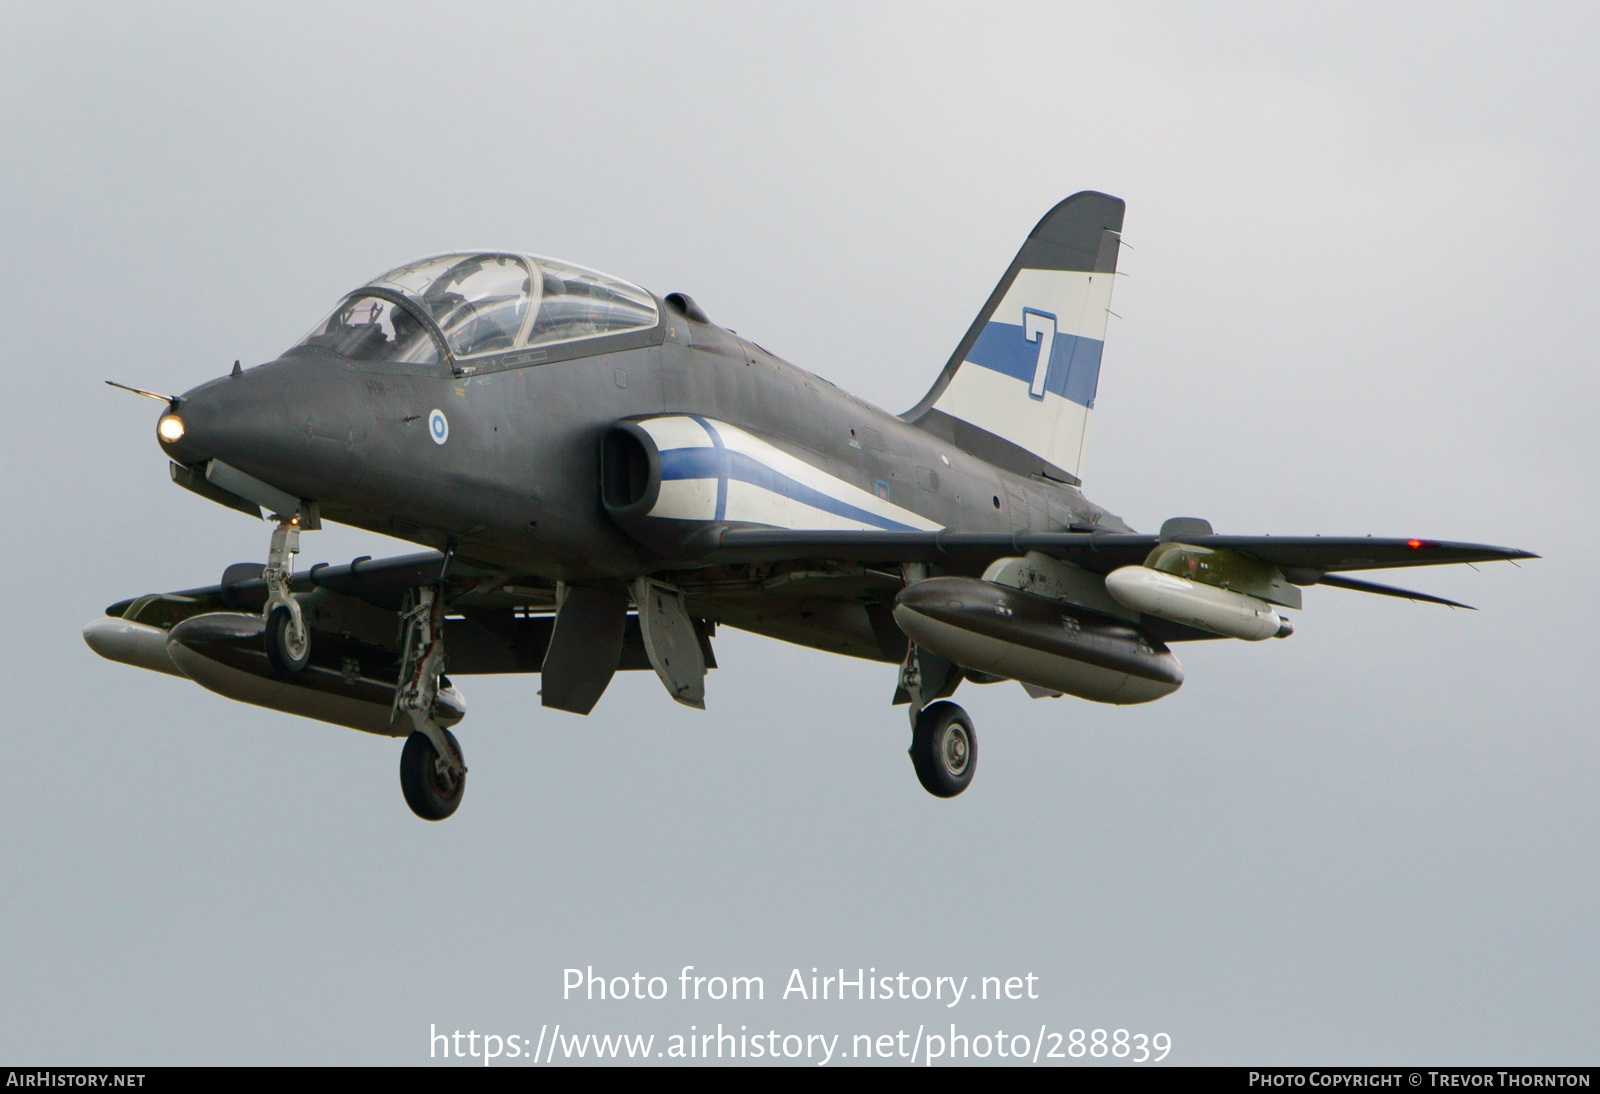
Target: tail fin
1019,388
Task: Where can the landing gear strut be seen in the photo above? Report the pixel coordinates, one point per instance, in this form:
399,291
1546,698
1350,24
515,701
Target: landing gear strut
944,746
433,771
287,637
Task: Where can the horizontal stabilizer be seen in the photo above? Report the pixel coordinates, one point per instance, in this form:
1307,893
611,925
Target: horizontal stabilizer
1390,590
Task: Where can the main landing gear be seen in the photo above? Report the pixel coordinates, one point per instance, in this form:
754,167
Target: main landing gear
433,771
944,746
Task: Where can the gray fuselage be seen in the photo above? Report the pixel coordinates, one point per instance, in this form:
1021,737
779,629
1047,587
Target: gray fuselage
516,484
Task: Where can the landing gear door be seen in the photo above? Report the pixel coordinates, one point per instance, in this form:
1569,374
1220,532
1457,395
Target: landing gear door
585,648
671,641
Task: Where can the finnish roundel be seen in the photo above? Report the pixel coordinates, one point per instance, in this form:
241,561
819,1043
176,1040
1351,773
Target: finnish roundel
438,427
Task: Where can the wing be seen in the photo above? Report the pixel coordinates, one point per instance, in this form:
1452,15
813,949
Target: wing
971,552
956,552
1332,554
496,624
1305,560
381,582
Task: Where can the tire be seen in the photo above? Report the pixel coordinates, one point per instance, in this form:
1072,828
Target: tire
944,749
431,794
285,655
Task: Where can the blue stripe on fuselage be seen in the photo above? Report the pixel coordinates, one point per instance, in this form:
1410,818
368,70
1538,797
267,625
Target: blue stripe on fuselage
722,464
1074,371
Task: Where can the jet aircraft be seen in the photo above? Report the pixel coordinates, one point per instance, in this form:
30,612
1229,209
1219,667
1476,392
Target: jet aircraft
603,477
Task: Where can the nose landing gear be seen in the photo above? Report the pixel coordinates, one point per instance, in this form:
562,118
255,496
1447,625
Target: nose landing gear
287,637
433,771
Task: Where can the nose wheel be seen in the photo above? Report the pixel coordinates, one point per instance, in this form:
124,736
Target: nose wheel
944,749
288,644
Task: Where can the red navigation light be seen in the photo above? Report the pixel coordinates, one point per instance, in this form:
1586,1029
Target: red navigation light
1414,544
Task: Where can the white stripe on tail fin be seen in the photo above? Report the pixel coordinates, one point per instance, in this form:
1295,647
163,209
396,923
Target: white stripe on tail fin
1019,389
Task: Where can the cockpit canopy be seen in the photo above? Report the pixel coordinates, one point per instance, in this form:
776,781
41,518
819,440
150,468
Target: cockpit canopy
480,303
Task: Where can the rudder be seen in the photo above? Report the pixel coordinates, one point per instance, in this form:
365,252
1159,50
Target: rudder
1019,388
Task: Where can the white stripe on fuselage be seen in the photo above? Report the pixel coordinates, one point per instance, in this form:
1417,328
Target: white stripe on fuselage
750,503
677,432
687,499
695,499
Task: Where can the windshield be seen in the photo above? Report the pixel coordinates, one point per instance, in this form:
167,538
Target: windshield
484,302
478,300
369,328
580,303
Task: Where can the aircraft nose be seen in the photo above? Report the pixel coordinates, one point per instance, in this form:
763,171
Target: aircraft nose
290,430
213,421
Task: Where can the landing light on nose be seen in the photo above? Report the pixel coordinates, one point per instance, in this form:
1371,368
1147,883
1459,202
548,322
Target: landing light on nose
170,428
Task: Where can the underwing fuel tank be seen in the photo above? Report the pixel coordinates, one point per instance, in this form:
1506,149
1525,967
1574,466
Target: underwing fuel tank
132,643
346,683
1221,611
1036,640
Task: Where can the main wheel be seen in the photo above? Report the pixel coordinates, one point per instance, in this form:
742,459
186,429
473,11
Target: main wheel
944,749
286,651
431,791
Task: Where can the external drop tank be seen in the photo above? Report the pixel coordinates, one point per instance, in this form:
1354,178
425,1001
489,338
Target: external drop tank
1037,640
347,683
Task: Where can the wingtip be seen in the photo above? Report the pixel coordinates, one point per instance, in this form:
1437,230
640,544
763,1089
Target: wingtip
1511,554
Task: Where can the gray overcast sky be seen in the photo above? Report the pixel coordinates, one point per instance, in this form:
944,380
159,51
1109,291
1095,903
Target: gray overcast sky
1361,298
